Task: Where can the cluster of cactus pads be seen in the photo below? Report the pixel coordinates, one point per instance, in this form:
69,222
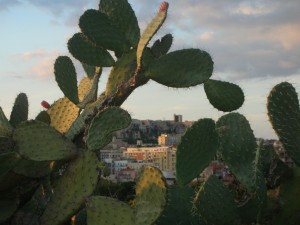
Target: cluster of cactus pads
49,167
257,170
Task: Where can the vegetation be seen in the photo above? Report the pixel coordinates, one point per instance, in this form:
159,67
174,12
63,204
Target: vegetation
49,169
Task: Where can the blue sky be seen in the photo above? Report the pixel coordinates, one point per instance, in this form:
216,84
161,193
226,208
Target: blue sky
255,44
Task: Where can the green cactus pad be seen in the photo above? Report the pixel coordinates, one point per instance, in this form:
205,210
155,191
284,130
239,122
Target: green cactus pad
238,146
5,132
79,180
37,141
8,205
215,203
11,180
151,194
121,72
19,112
123,17
98,28
8,161
148,33
87,52
32,210
289,212
43,116
63,113
259,184
224,96
284,114
33,169
89,70
196,150
4,121
66,78
6,144
180,204
104,123
161,47
182,68
108,211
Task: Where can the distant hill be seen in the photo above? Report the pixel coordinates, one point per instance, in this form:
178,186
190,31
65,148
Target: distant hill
149,130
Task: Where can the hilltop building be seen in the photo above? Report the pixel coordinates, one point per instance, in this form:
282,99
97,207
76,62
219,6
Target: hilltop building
177,118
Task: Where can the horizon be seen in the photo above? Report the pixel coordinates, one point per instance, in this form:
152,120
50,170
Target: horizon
254,44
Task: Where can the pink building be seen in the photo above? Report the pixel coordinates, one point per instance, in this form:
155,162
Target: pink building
126,175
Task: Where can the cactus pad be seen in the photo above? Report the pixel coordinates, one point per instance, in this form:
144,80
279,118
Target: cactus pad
224,96
196,150
123,17
6,144
104,123
8,205
79,180
151,194
121,72
65,76
19,112
37,141
33,169
108,211
148,33
215,203
284,114
84,87
63,113
8,161
161,47
43,116
98,28
180,204
87,52
182,68
89,70
91,95
238,146
4,121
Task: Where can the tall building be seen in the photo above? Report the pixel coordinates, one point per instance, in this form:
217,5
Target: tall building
177,118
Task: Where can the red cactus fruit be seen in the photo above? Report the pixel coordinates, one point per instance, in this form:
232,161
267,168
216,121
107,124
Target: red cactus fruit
163,6
45,104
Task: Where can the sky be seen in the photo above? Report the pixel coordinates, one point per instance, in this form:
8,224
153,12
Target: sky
255,44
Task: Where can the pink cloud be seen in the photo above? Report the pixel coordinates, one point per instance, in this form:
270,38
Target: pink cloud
40,61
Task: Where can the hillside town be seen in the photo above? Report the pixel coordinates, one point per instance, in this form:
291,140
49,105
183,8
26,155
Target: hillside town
154,143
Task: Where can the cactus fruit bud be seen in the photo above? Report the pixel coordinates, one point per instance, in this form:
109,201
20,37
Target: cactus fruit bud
163,6
45,104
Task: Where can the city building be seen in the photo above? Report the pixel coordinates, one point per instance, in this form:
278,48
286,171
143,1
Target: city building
177,118
169,139
126,175
163,157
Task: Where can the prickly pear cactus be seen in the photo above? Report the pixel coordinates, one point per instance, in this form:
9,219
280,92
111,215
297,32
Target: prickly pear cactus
284,114
49,166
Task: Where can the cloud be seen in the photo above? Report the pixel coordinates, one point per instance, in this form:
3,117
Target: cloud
247,39
58,7
6,4
206,36
38,53
38,63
